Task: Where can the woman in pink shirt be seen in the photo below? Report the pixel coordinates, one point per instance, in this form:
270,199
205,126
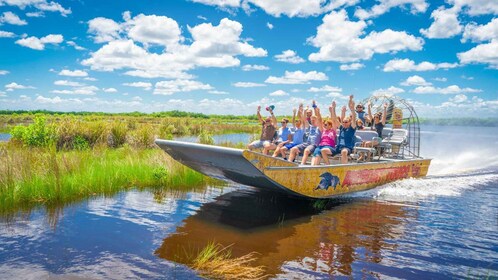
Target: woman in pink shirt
327,140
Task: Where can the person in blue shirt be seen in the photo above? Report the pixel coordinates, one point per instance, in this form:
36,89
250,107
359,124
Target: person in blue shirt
297,134
282,136
346,139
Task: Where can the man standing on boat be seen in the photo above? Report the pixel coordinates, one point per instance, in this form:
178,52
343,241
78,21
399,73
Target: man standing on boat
269,126
347,129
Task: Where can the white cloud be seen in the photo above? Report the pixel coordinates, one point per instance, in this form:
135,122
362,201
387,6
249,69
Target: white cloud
467,77
269,25
220,3
249,67
42,5
459,98
39,43
90,79
202,17
75,46
212,46
392,90
137,98
13,86
440,79
325,88
170,87
289,56
476,7
3,94
84,90
339,40
75,73
11,18
337,95
417,6
110,90
415,81
279,93
481,33
297,77
35,14
218,92
104,29
4,72
406,65
445,25
154,29
67,83
247,84
453,89
144,85
484,53
351,67
6,34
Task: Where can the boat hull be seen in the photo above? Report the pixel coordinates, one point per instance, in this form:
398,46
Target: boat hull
269,173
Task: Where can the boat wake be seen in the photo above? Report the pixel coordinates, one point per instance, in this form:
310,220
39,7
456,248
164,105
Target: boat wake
432,186
464,161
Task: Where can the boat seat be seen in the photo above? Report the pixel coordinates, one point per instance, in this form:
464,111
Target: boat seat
396,141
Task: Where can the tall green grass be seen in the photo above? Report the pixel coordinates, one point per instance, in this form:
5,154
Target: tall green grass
35,176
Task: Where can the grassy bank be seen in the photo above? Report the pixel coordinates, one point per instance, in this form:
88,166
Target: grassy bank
43,176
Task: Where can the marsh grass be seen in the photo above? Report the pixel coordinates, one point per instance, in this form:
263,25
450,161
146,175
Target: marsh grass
216,262
43,176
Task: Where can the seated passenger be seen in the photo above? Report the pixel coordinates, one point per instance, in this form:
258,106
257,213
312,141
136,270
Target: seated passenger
312,134
282,137
359,125
297,134
360,112
327,140
379,121
346,140
269,126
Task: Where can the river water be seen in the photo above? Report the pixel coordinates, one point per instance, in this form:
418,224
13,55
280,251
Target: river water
440,227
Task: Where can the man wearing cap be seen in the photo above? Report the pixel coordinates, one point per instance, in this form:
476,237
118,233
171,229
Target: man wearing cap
269,126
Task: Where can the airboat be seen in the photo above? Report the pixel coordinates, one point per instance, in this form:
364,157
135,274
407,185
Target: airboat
395,156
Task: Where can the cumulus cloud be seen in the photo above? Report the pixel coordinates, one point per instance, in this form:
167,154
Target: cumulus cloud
459,98
415,81
351,67
269,25
279,93
247,84
297,77
220,3
249,67
104,29
484,54
416,6
170,87
440,79
67,83
6,34
13,86
75,73
110,90
406,65
84,90
11,18
481,33
39,43
325,88
42,5
4,72
445,25
144,85
339,40
75,46
476,7
392,90
218,92
453,89
289,56
212,46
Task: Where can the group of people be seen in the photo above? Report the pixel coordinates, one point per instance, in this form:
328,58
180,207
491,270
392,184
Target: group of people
313,135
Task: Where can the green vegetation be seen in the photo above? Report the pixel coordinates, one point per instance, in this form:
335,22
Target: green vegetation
216,262
461,121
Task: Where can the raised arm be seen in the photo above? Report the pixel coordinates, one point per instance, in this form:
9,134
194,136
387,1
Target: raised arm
273,118
369,105
302,116
343,113
259,115
333,116
294,117
319,118
353,112
384,114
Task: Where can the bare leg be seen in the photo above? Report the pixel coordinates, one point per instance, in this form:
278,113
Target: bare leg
293,152
283,151
325,155
344,156
267,148
277,151
315,160
306,153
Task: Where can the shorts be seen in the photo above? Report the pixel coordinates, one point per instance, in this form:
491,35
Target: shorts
308,146
290,146
318,150
259,144
337,150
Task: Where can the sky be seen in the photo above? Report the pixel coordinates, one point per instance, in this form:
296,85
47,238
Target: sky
229,56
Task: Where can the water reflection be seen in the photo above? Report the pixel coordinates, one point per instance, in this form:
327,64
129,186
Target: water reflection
291,236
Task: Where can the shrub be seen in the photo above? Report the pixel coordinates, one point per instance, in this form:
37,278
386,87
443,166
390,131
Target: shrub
38,134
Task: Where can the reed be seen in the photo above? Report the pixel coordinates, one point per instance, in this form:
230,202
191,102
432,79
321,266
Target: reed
216,262
34,176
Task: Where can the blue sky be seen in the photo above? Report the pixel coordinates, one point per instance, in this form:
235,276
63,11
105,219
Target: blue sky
229,56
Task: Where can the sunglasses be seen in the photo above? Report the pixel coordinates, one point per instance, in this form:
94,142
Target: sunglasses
345,121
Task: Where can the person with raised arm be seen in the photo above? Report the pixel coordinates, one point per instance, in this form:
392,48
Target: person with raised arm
296,137
347,131
312,135
327,139
269,126
379,121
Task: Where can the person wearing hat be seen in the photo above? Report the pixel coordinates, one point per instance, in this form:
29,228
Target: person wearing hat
269,126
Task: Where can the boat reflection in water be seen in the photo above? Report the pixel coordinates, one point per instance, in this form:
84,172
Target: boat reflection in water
292,236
